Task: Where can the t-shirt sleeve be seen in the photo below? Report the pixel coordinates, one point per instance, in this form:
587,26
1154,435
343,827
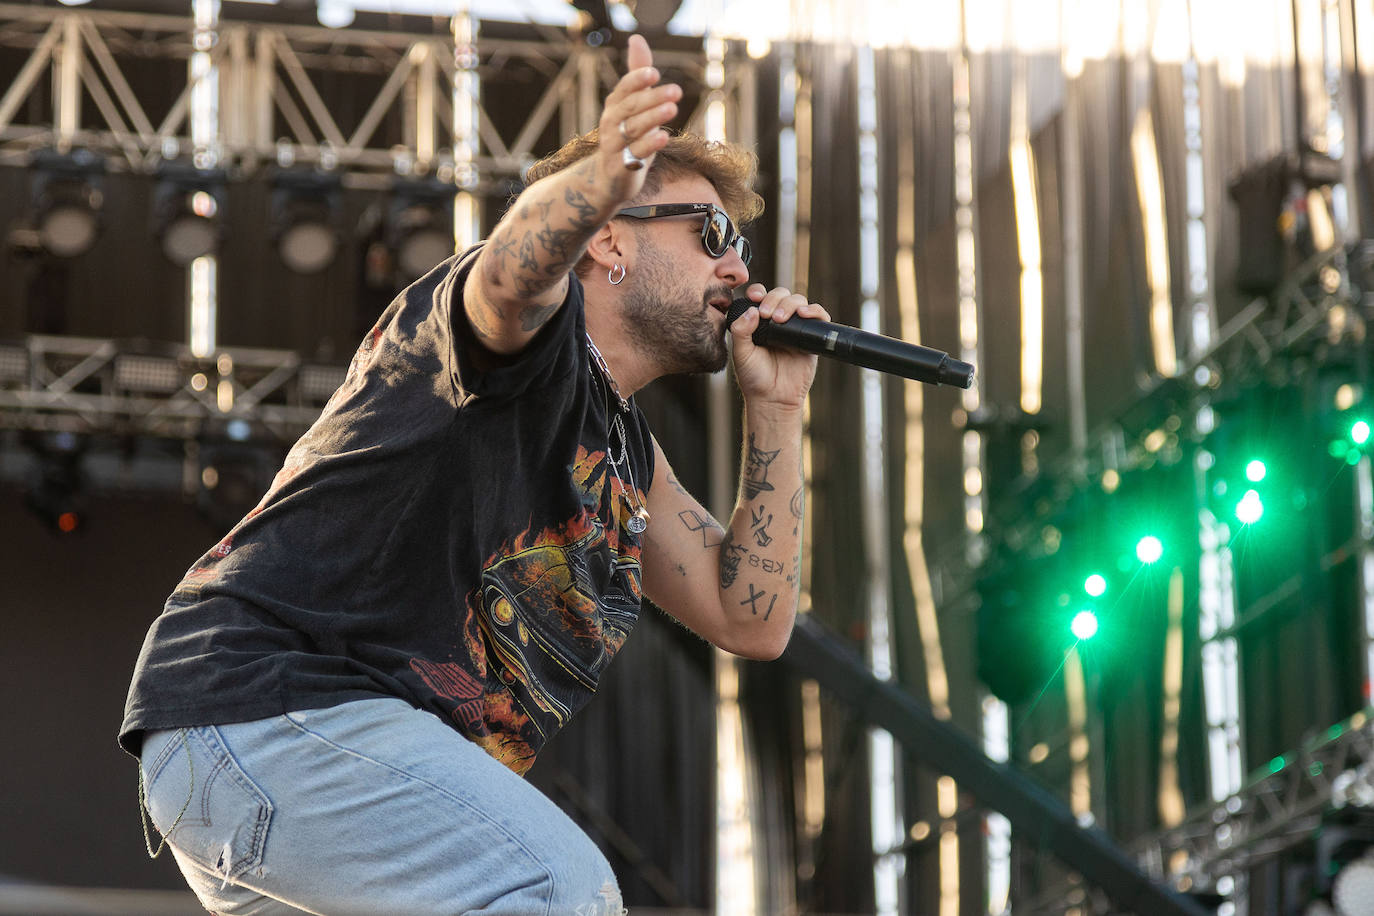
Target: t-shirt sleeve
549,357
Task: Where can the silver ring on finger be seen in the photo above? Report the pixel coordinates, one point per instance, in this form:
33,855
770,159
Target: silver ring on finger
631,161
624,135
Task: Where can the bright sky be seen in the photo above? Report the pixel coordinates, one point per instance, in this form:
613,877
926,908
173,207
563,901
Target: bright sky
690,19
1253,30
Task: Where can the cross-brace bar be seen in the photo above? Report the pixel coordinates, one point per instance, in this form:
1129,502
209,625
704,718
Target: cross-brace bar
1034,813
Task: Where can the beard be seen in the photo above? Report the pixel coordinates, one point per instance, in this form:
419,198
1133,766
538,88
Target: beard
662,325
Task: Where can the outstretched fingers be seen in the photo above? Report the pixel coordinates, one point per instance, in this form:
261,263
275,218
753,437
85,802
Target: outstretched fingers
639,107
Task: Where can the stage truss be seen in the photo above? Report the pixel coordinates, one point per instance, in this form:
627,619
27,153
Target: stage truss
270,74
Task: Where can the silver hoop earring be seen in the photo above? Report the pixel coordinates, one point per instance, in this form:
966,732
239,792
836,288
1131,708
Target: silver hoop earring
614,278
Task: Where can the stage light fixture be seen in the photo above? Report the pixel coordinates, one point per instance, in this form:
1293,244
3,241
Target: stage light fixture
420,226
1084,625
236,469
1250,509
56,493
1353,889
595,21
188,212
68,194
654,15
1149,549
304,212
335,14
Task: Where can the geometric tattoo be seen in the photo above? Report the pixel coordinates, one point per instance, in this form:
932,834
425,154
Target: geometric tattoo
710,531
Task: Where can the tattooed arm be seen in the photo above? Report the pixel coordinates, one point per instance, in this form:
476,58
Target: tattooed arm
521,275
738,586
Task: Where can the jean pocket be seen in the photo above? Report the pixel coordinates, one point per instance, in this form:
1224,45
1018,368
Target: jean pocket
203,802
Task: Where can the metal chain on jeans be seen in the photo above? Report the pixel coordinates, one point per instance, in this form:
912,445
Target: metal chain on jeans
144,815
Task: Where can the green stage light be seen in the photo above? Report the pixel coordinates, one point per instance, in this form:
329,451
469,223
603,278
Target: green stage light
1149,549
1359,432
1095,585
1250,508
1255,471
1084,625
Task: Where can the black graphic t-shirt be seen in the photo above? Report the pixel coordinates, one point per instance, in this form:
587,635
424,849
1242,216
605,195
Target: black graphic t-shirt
449,536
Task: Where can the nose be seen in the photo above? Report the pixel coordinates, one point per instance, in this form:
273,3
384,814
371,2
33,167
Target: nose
731,269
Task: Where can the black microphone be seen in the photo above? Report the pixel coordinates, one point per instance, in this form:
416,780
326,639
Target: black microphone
858,348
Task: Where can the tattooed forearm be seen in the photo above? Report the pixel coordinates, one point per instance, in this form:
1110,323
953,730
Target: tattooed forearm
584,214
528,262
532,317
677,484
756,462
711,532
562,244
481,323
523,272
756,600
759,520
730,556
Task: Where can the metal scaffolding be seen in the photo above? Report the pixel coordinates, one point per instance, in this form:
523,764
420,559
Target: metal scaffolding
1273,813
80,72
272,105
95,387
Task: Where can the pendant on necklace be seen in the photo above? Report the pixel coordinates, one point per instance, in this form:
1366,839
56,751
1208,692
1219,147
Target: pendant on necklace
638,522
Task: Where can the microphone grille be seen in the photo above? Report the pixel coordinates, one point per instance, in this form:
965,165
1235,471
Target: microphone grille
737,308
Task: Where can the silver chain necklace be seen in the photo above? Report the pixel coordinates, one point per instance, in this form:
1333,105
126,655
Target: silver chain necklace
639,517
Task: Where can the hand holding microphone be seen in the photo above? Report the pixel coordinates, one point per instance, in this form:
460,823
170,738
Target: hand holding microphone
858,348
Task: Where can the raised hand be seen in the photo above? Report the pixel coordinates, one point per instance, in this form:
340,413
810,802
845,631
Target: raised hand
633,121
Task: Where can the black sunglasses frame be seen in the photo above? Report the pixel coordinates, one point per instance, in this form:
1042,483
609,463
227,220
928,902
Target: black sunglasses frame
733,237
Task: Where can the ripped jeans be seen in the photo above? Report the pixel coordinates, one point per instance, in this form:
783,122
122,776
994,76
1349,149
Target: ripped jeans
365,808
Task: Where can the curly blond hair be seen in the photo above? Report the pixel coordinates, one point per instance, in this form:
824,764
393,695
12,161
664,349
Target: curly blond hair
729,167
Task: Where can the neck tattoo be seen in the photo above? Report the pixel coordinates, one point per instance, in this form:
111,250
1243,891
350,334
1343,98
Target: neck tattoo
615,425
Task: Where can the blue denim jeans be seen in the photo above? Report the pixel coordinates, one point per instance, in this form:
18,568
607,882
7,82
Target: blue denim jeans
371,807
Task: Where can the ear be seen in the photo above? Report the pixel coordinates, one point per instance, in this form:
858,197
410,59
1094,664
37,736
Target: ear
608,245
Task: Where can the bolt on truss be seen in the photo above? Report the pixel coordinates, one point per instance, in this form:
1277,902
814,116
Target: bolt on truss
273,103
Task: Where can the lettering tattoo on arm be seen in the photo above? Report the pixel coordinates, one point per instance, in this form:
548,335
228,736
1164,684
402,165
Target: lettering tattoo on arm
758,561
757,595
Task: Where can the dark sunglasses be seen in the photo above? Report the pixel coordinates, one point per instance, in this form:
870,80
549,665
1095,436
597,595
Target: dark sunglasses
718,232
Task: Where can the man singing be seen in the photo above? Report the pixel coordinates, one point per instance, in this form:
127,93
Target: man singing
335,708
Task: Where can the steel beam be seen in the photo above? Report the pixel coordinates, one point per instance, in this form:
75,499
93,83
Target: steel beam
816,653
